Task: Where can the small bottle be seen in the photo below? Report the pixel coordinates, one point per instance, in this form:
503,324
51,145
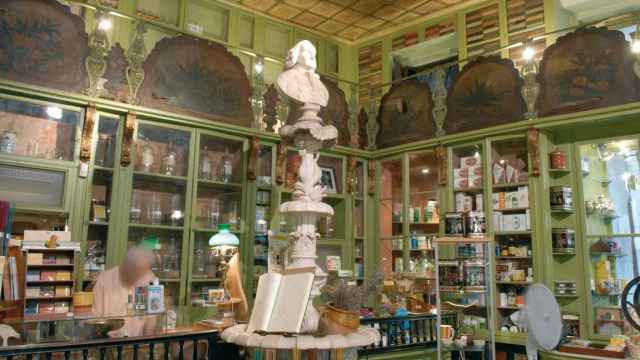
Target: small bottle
169,161
414,240
130,310
155,212
205,164
226,168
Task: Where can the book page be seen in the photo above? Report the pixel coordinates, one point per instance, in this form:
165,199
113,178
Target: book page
268,286
291,303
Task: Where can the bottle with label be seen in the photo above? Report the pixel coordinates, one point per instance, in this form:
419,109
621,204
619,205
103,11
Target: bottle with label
169,161
205,164
226,167
155,298
414,240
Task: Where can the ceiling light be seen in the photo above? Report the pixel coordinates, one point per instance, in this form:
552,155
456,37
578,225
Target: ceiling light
54,112
635,46
528,53
477,153
105,24
501,161
425,171
258,67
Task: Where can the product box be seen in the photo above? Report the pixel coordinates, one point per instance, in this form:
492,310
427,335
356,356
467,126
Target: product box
519,222
47,291
155,299
497,221
460,178
61,307
48,275
33,275
46,308
523,197
479,202
49,259
62,259
498,173
469,161
63,275
34,258
32,291
511,174
475,170
459,200
461,183
31,309
475,181
63,291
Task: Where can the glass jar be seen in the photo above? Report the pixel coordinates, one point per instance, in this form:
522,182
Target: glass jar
453,224
135,212
561,198
213,213
205,164
557,160
147,157
226,167
475,223
563,240
169,161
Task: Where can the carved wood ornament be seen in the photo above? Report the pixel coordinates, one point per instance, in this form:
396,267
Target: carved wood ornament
441,157
281,163
90,116
533,148
252,165
371,174
352,163
127,138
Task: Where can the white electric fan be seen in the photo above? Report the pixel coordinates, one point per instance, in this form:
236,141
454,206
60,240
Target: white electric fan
541,317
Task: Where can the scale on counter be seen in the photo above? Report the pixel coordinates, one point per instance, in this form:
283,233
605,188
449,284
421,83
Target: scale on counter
542,319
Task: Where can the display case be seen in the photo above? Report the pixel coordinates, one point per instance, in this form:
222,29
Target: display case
512,229
359,222
263,212
391,215
610,172
464,287
99,217
38,130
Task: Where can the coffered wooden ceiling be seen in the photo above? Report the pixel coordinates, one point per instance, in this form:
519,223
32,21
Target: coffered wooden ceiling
349,19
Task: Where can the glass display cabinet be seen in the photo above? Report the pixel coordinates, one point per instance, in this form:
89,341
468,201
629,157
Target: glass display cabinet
390,212
359,222
511,228
610,189
99,210
263,212
464,288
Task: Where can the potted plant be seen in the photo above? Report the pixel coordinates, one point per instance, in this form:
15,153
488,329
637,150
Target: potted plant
341,313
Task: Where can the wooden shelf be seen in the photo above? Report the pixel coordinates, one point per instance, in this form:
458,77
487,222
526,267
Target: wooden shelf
205,280
156,227
514,257
562,211
221,184
47,282
50,266
506,233
469,190
559,171
44,298
160,176
510,186
514,283
512,210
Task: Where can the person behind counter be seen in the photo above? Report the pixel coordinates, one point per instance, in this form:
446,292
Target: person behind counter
115,288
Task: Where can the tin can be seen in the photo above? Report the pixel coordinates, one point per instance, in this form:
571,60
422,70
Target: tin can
475,223
453,224
561,198
557,160
563,240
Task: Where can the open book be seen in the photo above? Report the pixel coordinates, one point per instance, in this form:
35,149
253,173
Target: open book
281,302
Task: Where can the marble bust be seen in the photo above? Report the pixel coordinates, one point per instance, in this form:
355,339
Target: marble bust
299,81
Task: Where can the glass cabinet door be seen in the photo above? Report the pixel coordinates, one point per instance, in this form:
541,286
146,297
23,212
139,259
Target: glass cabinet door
264,210
424,224
391,216
37,130
95,260
611,191
511,225
158,207
359,222
218,200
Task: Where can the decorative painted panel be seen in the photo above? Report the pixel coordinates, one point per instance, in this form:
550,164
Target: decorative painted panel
405,114
115,79
586,69
485,93
196,77
43,43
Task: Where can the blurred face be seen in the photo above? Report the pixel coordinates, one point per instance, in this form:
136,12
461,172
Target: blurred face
132,271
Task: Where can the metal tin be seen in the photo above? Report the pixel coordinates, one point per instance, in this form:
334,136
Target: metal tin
475,223
563,240
561,198
453,224
557,160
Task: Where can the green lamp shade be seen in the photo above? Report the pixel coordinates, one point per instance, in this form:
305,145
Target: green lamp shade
224,237
151,242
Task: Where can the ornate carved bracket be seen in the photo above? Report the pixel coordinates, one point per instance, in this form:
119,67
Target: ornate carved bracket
257,100
96,61
533,148
531,88
271,100
252,165
439,97
371,175
372,124
127,138
354,128
442,158
90,116
352,163
135,56
281,163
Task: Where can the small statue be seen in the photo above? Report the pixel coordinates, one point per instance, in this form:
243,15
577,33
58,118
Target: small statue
52,243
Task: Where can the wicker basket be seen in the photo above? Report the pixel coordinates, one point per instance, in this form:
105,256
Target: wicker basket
633,344
336,321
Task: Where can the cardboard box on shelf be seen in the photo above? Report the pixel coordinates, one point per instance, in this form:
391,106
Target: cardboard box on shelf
63,275
61,307
34,258
479,200
498,173
469,161
49,259
497,221
63,291
46,308
475,181
48,275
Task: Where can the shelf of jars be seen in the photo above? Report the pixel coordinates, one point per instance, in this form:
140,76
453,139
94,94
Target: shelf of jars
102,182
359,222
263,211
610,173
391,217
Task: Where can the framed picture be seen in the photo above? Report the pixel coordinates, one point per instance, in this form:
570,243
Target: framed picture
608,314
328,179
216,295
99,213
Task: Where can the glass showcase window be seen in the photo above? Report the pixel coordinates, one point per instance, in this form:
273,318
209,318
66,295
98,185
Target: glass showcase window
40,131
611,188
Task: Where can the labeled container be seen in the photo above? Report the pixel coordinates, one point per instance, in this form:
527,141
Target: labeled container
475,223
453,224
563,240
561,198
557,160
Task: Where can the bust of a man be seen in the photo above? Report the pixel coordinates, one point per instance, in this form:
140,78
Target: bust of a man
299,81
